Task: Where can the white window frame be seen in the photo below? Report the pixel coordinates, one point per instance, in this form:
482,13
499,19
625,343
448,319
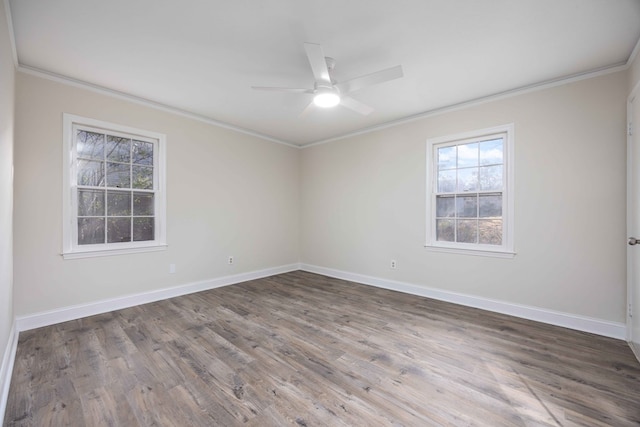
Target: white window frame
71,249
506,250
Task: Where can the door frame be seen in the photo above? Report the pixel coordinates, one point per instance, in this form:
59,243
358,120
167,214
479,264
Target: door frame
631,190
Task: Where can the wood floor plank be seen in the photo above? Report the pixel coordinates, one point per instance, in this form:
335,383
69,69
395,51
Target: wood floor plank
302,349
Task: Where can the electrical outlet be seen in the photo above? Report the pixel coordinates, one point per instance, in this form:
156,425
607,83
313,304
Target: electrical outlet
394,264
230,260
172,268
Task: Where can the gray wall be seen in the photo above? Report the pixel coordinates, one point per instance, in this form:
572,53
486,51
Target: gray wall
363,202
7,73
227,194
350,205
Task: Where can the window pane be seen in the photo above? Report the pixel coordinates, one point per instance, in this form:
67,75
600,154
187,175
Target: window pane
142,205
468,202
143,229
118,203
118,175
446,158
445,231
142,177
467,179
90,203
491,178
90,231
467,206
90,145
447,181
490,231
91,173
445,206
468,155
467,230
491,152
142,153
490,206
118,149
118,230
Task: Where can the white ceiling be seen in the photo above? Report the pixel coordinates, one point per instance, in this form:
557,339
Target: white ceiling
203,56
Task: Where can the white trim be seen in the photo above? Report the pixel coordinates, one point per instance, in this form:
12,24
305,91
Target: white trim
629,271
473,134
634,53
631,274
112,252
46,318
430,113
477,101
12,38
473,252
70,119
572,321
70,248
146,102
506,250
6,369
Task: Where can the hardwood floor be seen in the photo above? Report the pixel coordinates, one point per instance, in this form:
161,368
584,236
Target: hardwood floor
305,350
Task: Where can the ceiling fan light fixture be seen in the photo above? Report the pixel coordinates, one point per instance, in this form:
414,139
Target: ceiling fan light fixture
327,92
326,98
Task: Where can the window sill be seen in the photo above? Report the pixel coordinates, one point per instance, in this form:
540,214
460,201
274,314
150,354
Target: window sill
472,252
93,253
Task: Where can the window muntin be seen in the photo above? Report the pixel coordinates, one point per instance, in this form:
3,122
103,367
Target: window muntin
114,178
115,187
469,191
469,206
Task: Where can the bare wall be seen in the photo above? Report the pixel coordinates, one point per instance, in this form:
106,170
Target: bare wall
7,76
634,72
227,194
363,202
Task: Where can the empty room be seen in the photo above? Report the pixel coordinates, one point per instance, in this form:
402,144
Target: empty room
347,213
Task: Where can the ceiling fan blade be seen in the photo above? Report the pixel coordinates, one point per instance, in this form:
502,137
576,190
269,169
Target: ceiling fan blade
283,89
370,79
318,63
356,105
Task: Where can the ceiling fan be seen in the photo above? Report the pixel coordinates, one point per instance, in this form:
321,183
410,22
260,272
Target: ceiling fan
327,92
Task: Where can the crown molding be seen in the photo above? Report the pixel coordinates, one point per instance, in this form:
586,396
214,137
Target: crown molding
482,100
634,54
431,113
12,39
143,101
426,114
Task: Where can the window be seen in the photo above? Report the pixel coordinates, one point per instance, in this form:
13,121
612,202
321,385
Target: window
114,189
470,200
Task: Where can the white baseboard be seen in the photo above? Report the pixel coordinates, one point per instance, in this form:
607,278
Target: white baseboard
46,318
566,320
6,368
